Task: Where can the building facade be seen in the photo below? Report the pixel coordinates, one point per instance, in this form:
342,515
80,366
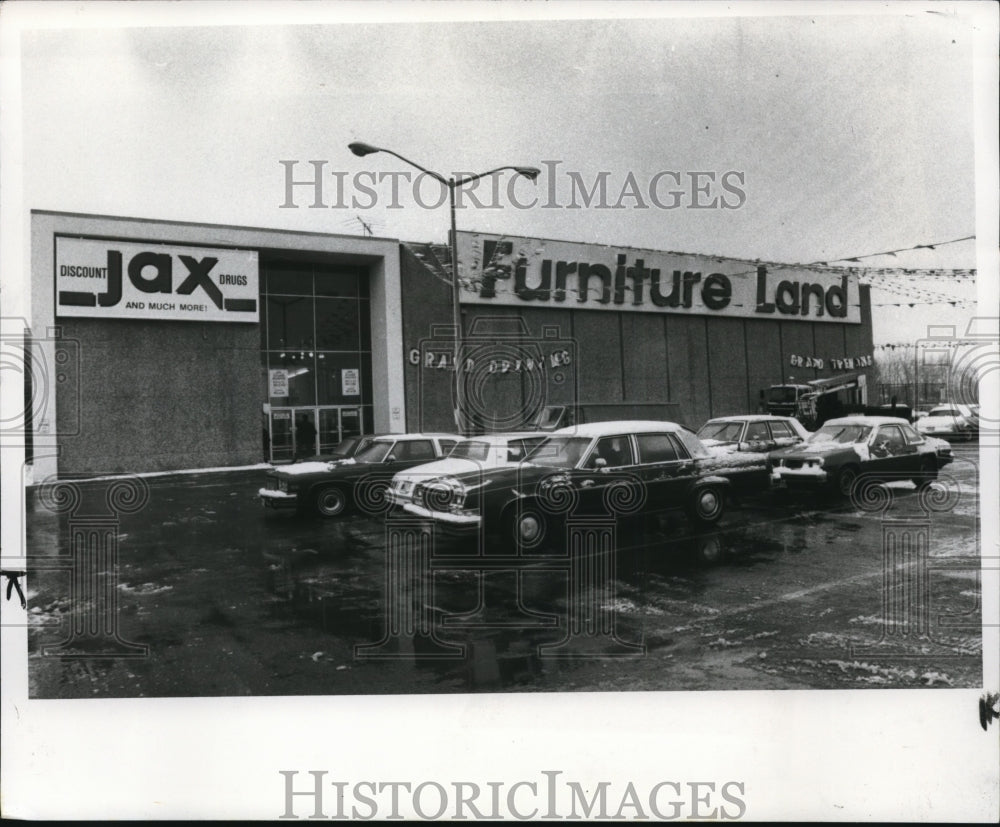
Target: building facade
168,345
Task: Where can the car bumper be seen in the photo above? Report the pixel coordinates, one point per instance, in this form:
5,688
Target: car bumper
398,499
461,522
782,477
277,499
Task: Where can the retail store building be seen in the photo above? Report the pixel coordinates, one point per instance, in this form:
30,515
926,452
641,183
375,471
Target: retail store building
169,345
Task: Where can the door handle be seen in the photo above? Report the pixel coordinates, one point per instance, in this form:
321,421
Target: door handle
587,484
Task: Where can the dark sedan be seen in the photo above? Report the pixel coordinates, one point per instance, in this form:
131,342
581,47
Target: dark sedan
600,470
330,489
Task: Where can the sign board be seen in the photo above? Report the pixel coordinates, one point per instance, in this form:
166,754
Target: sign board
135,280
527,272
350,382
279,382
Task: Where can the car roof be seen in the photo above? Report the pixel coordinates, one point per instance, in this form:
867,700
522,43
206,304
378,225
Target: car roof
626,426
867,420
502,439
749,418
408,437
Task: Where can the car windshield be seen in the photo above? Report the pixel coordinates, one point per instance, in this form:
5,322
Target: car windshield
721,431
944,412
782,393
471,449
841,433
374,452
345,447
559,451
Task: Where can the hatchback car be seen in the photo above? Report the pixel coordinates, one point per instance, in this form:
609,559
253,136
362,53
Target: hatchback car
330,489
600,470
884,448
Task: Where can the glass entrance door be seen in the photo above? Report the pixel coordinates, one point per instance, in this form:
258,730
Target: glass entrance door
301,432
282,438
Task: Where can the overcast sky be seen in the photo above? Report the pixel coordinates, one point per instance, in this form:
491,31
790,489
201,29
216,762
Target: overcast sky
840,136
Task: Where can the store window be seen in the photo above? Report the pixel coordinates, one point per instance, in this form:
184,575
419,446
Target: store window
316,335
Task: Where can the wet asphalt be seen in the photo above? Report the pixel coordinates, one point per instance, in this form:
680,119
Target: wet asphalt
197,590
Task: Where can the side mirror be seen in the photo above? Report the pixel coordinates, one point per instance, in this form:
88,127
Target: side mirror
390,458
600,463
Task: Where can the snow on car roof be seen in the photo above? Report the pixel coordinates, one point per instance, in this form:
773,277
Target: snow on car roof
503,439
408,437
867,420
749,418
592,429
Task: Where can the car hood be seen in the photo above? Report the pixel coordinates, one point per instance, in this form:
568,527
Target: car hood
299,469
812,449
447,467
520,474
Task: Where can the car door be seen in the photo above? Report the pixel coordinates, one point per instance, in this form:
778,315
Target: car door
665,469
758,437
409,453
611,460
891,456
783,434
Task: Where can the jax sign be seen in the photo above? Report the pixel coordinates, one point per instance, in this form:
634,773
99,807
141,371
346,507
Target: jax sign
111,279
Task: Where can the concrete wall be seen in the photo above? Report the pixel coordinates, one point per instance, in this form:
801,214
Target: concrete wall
157,397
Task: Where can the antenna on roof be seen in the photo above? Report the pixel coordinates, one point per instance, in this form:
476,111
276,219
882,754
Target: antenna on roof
365,225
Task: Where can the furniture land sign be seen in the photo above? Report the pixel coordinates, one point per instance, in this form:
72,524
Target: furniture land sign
129,280
526,272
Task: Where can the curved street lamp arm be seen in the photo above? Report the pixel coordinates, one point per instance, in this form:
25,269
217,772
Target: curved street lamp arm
430,172
532,174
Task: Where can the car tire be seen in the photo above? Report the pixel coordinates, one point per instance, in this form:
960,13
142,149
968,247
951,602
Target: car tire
330,501
845,480
927,473
527,526
707,505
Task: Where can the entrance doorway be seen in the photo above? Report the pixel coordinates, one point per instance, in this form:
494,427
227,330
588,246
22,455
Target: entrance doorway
300,432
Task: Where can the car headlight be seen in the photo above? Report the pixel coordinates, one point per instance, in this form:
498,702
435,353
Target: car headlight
445,494
283,485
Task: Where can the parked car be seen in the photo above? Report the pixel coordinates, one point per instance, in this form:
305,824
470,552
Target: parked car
345,449
752,433
888,448
600,469
742,443
473,454
952,420
330,488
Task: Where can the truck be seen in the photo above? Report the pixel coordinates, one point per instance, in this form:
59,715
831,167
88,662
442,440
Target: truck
812,403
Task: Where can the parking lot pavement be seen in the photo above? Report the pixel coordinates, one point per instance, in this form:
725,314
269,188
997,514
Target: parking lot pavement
213,595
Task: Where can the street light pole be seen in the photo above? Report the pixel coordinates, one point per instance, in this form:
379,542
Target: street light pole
452,184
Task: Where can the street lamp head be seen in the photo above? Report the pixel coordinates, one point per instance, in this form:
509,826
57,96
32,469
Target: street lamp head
530,173
361,149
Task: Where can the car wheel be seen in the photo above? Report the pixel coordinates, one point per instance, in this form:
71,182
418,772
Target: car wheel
330,501
846,479
527,526
707,505
927,473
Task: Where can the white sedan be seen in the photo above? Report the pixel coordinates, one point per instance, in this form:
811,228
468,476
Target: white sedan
475,453
952,420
